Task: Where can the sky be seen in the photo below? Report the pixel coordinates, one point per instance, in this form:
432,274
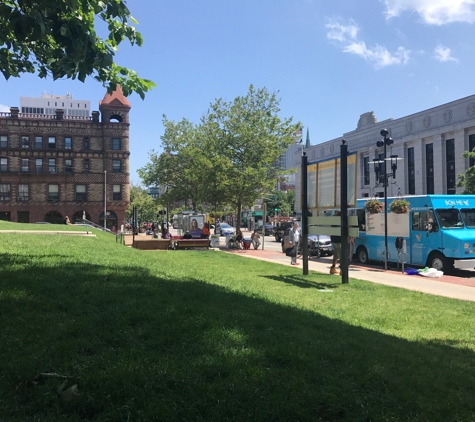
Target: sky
330,61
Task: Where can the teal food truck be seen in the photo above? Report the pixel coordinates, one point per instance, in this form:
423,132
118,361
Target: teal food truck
438,232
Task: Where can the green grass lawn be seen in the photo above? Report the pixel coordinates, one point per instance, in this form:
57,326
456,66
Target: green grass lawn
205,335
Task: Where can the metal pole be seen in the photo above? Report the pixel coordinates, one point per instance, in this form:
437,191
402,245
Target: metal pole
264,215
105,199
304,239
385,210
344,210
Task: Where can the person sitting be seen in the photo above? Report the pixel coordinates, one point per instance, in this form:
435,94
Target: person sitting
187,235
255,239
166,235
238,239
205,231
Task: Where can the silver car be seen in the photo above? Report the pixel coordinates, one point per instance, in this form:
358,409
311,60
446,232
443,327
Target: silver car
318,245
224,229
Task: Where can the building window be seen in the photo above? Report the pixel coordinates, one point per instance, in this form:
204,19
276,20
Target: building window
116,144
39,165
25,165
450,166
38,142
68,165
366,170
411,171
471,146
25,142
52,165
51,142
116,166
53,193
430,168
68,143
87,165
3,141
23,193
4,192
85,144
80,192
3,165
116,193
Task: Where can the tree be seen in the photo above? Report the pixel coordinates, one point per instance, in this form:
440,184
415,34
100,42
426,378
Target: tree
58,39
250,137
467,180
182,166
147,207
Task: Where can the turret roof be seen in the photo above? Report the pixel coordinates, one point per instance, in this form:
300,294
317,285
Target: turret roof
117,98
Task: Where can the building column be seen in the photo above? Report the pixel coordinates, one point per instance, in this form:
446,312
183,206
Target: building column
419,166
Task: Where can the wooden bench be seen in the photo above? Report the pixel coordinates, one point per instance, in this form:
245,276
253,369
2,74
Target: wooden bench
191,243
151,244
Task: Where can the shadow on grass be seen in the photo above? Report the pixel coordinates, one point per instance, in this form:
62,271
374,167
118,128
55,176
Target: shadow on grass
142,346
305,283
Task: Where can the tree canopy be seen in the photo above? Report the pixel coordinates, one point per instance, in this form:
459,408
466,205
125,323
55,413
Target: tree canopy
467,180
147,207
58,39
230,158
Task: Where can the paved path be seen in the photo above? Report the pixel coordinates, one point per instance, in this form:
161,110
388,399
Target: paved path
448,286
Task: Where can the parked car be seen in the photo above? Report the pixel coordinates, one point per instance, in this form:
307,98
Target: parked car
280,229
223,229
318,245
268,229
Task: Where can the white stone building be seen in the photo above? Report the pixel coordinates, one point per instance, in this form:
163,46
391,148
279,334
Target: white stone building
431,143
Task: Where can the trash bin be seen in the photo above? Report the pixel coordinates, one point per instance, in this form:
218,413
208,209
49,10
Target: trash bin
215,240
246,243
228,238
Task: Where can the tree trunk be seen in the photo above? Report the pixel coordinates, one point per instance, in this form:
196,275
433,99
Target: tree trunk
238,217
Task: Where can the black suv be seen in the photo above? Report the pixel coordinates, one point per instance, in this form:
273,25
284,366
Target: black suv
280,229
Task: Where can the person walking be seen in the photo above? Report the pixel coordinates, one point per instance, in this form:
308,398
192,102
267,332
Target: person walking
336,243
294,241
255,239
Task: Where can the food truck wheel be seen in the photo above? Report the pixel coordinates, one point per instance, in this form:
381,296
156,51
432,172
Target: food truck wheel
438,261
362,254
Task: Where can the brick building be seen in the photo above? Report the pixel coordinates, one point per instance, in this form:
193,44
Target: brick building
58,165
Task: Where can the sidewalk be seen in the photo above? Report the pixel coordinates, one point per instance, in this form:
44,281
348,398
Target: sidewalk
448,286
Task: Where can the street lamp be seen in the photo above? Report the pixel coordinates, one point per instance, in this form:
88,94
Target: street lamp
393,159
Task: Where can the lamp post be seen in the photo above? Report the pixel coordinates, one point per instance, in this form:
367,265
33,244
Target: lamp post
386,142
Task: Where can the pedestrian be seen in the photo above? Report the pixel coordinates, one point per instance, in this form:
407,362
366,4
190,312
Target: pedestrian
294,241
336,243
255,239
351,248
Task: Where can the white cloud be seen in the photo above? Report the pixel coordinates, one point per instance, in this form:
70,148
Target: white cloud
434,12
342,33
443,54
379,55
347,35
4,109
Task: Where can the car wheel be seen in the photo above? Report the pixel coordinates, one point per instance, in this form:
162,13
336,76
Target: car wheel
362,254
438,261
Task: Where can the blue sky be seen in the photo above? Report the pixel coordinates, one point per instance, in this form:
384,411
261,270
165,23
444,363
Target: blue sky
331,61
